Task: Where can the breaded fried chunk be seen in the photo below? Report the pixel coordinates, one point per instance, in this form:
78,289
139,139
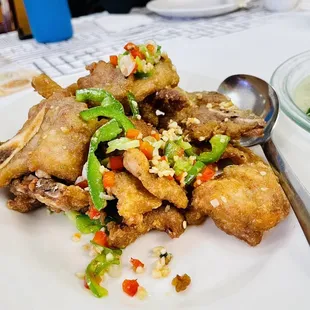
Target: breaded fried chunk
55,195
46,87
133,199
245,201
202,114
240,155
137,164
57,145
105,75
170,221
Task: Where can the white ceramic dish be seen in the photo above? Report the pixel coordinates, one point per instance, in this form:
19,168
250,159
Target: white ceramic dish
38,259
193,8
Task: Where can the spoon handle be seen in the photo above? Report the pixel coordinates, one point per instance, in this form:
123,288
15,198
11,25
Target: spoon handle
298,196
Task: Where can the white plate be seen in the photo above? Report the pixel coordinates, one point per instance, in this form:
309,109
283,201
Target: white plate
38,259
193,8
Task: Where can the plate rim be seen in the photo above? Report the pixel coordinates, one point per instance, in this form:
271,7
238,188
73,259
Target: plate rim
231,7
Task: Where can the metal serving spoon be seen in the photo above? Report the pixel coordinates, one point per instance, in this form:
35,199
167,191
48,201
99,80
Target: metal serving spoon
251,93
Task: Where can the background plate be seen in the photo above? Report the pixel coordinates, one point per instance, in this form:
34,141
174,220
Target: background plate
38,259
192,8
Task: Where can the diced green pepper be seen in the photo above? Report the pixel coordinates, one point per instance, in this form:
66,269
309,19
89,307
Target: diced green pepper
186,146
171,150
122,144
105,133
182,164
83,223
72,215
97,267
218,144
193,172
86,226
133,104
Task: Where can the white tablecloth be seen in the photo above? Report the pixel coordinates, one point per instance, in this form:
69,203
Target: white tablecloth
253,42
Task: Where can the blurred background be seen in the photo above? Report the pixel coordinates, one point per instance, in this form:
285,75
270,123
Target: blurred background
13,15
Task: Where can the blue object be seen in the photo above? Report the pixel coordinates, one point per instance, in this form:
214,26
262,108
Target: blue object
50,20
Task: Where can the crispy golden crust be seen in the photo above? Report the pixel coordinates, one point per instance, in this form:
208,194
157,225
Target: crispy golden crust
69,136
240,155
137,164
105,75
45,86
23,204
59,146
133,199
215,112
245,201
57,196
170,221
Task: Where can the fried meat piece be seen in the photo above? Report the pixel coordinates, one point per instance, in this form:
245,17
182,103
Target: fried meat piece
46,87
105,75
240,155
202,114
245,201
170,221
145,128
137,164
56,144
133,199
31,190
23,203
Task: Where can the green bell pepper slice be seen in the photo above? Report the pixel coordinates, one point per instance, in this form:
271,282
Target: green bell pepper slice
107,132
218,144
110,108
90,94
193,172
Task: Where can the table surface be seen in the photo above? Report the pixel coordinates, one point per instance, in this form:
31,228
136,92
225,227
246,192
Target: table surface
251,41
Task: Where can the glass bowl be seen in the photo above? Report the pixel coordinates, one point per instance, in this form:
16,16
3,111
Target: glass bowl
286,78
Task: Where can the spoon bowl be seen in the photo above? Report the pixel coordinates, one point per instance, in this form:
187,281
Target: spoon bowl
251,93
248,92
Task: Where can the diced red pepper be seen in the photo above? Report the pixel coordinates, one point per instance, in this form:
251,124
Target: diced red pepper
178,177
169,177
82,184
130,287
130,46
85,284
114,60
136,263
93,213
136,53
206,175
101,238
133,133
108,179
147,149
116,162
